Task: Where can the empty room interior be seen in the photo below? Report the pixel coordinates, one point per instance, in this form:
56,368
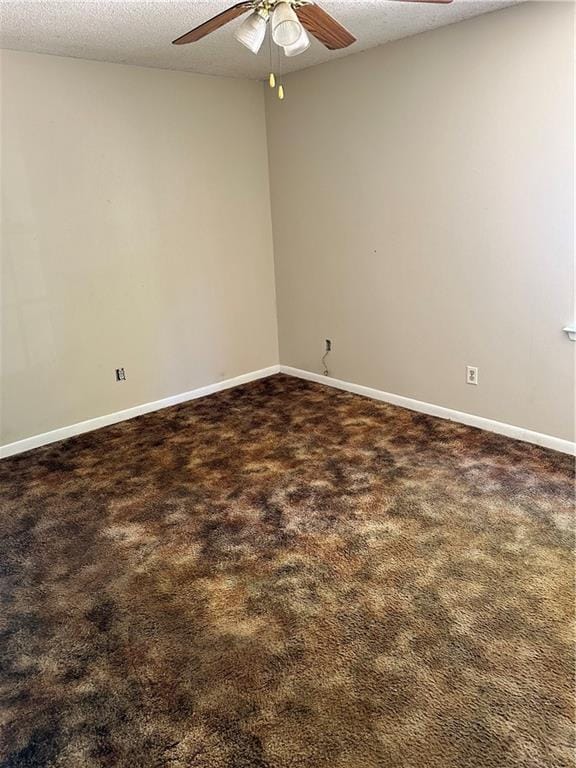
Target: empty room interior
287,415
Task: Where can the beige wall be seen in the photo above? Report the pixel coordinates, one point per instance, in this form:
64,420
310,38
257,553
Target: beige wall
423,211
136,233
423,216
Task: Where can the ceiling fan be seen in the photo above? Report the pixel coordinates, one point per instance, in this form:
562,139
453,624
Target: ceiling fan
290,20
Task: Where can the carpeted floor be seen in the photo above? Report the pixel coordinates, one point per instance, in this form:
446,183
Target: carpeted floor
287,576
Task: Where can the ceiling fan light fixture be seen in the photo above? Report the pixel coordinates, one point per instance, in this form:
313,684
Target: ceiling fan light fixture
301,45
286,28
252,31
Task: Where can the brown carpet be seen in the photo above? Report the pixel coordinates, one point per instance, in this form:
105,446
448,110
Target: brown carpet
287,576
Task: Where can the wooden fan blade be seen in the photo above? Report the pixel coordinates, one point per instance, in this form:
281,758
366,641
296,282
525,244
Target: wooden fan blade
324,27
213,24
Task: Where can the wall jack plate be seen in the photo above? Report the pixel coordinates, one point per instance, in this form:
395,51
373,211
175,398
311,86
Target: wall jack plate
471,374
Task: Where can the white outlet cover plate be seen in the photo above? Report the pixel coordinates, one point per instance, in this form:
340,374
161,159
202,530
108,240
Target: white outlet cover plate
471,374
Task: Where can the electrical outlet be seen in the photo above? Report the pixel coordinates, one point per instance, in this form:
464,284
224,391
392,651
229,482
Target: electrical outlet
328,345
120,374
471,374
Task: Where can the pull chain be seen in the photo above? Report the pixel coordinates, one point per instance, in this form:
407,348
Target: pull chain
272,77
280,84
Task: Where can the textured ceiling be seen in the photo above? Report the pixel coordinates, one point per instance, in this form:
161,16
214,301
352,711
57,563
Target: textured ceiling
137,32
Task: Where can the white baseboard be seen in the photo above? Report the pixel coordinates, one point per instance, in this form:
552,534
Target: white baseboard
518,433
129,413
